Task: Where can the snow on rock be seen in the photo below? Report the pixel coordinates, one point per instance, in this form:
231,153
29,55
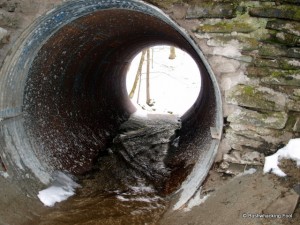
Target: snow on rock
61,189
249,171
4,174
290,151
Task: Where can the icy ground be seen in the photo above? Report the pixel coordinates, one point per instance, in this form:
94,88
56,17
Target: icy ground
290,151
174,84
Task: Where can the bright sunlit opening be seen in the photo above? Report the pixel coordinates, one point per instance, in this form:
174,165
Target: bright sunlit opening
163,79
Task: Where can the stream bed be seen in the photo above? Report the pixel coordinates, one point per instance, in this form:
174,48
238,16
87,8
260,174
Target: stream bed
125,186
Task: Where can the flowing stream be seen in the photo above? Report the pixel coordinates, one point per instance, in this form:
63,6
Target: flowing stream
126,184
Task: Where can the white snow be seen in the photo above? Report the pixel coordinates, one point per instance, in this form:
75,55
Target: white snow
61,189
249,171
139,112
137,199
195,201
142,189
290,151
4,174
174,84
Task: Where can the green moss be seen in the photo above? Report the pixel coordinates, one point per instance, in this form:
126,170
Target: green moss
248,90
226,27
283,39
253,97
272,50
281,63
276,74
282,80
289,27
288,74
282,12
250,43
253,71
247,44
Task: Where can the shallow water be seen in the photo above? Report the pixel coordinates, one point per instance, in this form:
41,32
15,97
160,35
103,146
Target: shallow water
120,196
124,186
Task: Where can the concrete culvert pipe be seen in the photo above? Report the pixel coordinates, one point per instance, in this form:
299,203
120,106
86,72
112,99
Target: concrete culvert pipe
63,93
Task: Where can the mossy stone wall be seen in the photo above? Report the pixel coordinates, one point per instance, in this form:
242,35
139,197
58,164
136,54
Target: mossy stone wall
253,48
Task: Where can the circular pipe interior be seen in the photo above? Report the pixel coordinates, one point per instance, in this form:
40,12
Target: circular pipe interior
64,92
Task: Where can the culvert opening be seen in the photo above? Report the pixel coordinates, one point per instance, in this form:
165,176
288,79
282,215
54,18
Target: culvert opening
64,97
163,79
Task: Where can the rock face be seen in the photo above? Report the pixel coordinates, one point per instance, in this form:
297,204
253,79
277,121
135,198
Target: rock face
144,143
273,120
254,53
256,97
211,10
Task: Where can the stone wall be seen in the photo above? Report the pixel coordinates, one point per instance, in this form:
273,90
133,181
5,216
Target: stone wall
253,49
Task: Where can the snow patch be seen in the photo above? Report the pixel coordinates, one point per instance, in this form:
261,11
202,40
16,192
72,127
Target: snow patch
4,174
250,171
140,113
142,189
196,201
61,189
247,172
137,199
290,151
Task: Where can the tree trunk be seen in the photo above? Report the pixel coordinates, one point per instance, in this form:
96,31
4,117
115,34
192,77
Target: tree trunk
172,53
138,75
148,99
